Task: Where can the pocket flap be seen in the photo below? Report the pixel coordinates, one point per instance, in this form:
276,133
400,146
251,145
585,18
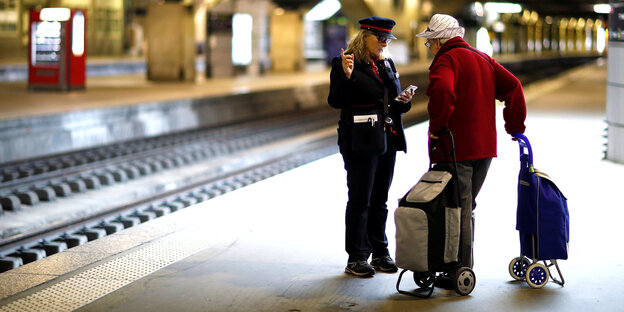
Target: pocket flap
429,186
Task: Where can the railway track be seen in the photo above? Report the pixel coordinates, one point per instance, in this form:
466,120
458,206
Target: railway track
170,172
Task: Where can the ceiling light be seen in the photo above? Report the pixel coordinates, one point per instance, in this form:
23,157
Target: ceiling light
602,8
55,14
503,7
323,10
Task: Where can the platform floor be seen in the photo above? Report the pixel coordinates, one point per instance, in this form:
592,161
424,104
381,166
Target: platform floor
278,245
102,92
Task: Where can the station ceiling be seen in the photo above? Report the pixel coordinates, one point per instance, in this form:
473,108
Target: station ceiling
295,4
543,7
562,7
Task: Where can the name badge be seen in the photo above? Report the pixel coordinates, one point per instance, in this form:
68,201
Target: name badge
365,118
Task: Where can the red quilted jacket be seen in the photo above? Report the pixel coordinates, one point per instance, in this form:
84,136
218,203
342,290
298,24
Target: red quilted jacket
463,86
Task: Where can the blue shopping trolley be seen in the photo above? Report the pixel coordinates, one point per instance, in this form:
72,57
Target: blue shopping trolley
542,220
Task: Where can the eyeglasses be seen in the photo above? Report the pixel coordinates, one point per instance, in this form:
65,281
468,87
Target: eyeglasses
428,44
383,39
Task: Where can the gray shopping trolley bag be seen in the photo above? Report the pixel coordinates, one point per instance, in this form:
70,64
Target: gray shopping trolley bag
428,224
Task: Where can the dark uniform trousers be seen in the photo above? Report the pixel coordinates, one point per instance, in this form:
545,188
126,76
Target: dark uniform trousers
368,179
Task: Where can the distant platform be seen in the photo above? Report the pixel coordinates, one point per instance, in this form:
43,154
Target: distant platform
117,107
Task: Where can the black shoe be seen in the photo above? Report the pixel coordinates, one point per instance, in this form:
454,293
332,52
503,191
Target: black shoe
384,264
444,281
360,268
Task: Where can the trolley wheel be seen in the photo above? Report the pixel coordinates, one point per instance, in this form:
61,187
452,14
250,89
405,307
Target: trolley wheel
537,275
465,281
518,266
423,279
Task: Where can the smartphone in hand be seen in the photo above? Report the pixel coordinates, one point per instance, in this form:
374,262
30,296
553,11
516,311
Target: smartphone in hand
408,90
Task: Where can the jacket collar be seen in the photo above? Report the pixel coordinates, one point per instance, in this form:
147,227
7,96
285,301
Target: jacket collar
366,68
453,42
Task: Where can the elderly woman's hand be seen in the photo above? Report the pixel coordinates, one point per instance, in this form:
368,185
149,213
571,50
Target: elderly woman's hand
347,63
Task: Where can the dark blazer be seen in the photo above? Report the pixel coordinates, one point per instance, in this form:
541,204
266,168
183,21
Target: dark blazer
364,93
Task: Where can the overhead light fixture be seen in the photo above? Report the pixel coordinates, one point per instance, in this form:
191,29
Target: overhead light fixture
78,27
55,14
323,10
602,8
483,42
498,27
478,8
242,30
503,7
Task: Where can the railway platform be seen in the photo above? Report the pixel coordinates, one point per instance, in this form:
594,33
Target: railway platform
278,244
123,105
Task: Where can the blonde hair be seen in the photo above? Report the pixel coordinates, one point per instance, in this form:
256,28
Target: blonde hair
357,46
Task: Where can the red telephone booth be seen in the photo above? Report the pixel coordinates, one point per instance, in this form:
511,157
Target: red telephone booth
57,51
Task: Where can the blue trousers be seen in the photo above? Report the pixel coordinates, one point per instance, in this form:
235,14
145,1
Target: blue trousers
368,179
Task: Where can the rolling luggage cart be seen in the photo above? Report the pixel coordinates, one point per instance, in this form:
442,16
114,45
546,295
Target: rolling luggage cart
428,227
542,220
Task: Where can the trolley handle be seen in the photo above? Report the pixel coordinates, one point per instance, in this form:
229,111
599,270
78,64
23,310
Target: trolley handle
525,146
447,131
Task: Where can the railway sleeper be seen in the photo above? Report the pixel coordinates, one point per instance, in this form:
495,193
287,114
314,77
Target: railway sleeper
143,167
105,178
25,172
155,165
143,216
77,185
174,205
132,172
187,201
92,182
27,197
178,161
29,255
45,193
127,221
199,196
110,227
41,168
10,175
91,233
119,175
61,189
72,240
166,163
10,263
50,248
159,210
10,203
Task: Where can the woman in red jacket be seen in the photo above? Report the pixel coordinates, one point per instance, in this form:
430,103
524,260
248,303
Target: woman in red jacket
463,86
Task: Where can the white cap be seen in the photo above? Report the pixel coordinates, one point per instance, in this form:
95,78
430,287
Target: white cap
442,26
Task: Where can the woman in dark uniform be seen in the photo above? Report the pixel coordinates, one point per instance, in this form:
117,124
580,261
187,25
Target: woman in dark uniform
363,85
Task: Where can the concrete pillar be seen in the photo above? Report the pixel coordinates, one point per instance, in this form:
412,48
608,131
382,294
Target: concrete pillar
219,36
287,41
219,40
171,42
615,85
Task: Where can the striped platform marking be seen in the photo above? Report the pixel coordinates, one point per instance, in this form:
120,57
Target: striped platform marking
107,277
